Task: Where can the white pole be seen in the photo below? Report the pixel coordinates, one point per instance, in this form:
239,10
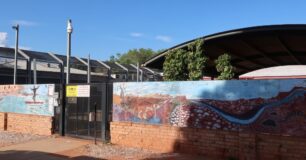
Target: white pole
35,71
88,70
137,71
16,52
141,75
69,31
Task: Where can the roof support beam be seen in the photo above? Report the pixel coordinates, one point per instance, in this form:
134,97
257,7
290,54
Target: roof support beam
28,65
239,56
104,64
61,65
127,71
260,51
109,71
285,46
121,66
56,58
82,61
23,54
138,69
148,69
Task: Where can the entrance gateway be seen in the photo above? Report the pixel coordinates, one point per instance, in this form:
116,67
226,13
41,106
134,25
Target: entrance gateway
87,110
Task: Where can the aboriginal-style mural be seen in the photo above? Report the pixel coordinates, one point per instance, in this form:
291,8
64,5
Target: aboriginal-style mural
266,106
27,99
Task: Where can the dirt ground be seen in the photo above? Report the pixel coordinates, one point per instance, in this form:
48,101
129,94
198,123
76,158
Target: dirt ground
11,138
15,146
114,152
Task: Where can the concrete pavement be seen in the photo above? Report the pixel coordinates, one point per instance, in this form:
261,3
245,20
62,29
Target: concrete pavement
46,149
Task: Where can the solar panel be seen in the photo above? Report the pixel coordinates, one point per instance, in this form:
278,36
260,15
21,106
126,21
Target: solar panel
129,67
75,63
62,57
40,56
93,63
113,66
9,53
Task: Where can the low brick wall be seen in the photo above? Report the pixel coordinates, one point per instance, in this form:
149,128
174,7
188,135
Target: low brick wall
212,143
1,121
25,123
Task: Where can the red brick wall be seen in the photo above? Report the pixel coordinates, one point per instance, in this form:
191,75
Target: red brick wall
213,143
24,123
1,121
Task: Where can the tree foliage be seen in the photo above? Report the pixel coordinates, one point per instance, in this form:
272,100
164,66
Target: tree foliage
133,56
196,60
224,67
175,65
185,64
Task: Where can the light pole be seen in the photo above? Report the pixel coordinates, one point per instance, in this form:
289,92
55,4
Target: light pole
88,70
16,27
137,71
69,31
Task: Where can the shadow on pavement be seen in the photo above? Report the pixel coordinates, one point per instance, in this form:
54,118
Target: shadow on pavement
35,155
175,156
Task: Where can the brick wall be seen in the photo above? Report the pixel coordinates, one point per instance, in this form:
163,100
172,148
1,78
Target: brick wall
1,121
213,143
25,123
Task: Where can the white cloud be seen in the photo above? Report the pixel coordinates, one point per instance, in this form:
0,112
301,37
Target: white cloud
3,39
24,23
164,38
136,34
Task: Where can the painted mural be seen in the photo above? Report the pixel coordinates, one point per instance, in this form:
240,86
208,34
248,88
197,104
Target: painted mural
27,99
266,106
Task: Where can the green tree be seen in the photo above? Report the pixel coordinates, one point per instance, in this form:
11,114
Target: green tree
113,59
175,65
133,56
224,67
185,64
196,60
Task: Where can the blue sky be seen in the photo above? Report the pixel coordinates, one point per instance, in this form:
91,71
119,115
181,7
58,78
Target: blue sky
106,27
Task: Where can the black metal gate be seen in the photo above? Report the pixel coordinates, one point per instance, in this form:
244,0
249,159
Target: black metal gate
88,116
58,107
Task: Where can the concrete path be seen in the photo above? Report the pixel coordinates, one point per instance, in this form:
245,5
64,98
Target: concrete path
47,149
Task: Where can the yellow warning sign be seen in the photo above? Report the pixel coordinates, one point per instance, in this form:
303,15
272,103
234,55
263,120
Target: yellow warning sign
78,91
71,91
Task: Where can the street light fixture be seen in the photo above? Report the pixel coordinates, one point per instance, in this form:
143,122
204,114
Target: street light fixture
69,32
16,27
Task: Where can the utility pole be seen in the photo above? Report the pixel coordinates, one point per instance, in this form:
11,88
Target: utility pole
88,70
69,32
137,71
35,71
16,27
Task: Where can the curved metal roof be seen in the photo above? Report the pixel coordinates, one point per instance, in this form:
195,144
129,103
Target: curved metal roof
278,72
251,48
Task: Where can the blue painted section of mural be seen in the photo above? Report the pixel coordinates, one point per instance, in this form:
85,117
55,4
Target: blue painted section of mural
298,93
273,106
27,99
218,90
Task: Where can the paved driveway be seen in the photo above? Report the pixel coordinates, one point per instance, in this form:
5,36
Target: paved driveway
46,149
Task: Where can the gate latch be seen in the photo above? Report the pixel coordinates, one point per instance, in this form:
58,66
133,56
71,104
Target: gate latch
91,116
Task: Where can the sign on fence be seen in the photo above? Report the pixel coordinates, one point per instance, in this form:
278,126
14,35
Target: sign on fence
78,91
